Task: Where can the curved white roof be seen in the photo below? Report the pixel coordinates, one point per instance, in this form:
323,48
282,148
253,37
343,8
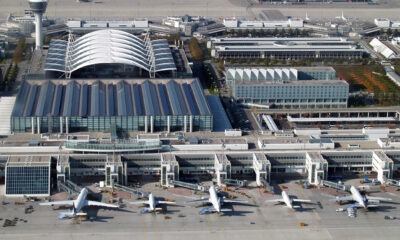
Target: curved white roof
109,46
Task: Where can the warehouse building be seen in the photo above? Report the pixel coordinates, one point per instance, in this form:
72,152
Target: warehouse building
284,48
282,87
47,106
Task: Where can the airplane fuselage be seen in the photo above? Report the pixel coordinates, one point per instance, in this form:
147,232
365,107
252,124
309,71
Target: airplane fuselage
214,199
152,202
286,199
80,201
358,197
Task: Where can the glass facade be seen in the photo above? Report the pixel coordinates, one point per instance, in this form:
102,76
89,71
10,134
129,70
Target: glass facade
27,180
99,124
311,93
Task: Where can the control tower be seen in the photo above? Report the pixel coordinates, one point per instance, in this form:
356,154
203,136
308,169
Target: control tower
38,7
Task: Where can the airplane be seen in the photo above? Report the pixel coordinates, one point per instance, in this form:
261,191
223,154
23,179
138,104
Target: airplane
343,18
77,205
153,203
307,18
361,200
289,201
216,202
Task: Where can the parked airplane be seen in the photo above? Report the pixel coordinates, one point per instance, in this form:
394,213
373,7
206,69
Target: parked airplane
343,18
288,200
153,203
307,18
216,202
77,205
361,200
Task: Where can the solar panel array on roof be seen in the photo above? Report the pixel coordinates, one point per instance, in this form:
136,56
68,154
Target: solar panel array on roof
165,105
190,100
110,98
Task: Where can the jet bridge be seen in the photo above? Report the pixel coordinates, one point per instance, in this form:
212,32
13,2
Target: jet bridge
63,186
383,165
222,168
169,169
73,186
136,192
114,170
316,166
192,186
262,168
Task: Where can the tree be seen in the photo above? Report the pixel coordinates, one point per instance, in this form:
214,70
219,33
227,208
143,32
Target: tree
19,51
195,49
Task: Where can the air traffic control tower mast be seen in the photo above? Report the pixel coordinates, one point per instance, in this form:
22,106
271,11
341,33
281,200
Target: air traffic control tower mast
38,7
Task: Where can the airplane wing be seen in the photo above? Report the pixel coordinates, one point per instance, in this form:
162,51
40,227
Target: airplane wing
226,200
140,202
280,200
100,204
344,198
67,202
203,200
301,200
166,202
212,210
378,198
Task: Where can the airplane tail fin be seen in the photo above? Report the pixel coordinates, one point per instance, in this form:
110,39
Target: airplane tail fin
145,210
212,210
226,210
68,214
158,209
63,215
71,214
207,210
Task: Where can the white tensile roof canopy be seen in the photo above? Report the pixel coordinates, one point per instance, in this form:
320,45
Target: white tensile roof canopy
108,47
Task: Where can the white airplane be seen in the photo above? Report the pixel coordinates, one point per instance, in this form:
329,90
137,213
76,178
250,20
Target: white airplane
216,202
153,203
307,18
343,18
77,205
361,200
289,201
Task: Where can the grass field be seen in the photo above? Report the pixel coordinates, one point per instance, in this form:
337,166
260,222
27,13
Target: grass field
371,79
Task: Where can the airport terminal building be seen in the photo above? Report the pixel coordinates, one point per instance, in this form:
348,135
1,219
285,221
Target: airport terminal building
284,48
288,87
109,47
65,106
314,165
